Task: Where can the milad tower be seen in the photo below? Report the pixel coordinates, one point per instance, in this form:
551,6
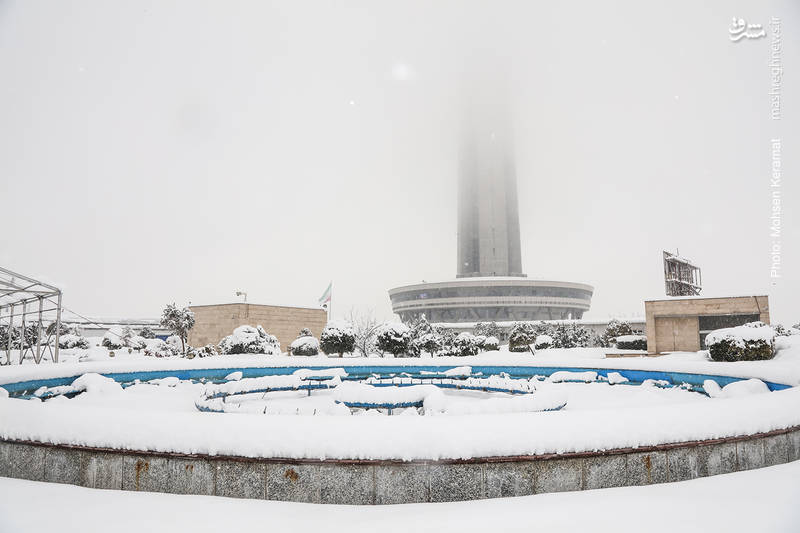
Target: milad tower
489,284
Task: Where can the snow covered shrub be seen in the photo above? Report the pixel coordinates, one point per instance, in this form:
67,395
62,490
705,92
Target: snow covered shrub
615,328
5,332
781,331
305,332
752,342
179,321
480,340
113,338
464,345
487,329
632,342
429,342
521,337
570,336
393,337
247,339
69,341
137,342
206,351
491,344
147,333
159,348
127,335
175,342
543,342
338,337
306,345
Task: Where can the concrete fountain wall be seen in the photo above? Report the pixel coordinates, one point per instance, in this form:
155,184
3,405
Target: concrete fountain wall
387,482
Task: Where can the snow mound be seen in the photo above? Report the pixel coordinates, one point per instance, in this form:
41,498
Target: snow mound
441,404
361,393
171,381
615,378
563,376
95,383
745,387
458,371
307,373
234,376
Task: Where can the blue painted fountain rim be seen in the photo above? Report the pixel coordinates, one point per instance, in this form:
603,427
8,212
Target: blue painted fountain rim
364,371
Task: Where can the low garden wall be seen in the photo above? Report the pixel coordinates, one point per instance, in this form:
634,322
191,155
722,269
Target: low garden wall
357,482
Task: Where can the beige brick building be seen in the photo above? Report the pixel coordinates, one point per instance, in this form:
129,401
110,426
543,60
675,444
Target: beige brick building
681,324
213,322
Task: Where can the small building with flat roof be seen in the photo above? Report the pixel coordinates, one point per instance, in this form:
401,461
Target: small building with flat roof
214,322
681,324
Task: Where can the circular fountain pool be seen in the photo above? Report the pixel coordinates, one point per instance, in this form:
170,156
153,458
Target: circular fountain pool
203,430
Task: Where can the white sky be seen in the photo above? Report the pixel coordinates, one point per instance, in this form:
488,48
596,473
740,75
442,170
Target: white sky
178,151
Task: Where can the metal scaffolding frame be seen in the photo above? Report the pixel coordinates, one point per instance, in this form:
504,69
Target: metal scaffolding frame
21,297
681,276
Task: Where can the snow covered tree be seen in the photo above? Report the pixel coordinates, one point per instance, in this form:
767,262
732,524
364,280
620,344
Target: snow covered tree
488,329
147,333
427,342
570,336
614,329
338,337
465,344
393,337
365,328
417,329
521,337
179,320
420,327
127,335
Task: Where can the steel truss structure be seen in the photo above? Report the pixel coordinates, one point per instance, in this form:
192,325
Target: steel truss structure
681,277
27,306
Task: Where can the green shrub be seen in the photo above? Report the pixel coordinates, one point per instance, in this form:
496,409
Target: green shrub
521,337
631,342
491,344
752,342
464,345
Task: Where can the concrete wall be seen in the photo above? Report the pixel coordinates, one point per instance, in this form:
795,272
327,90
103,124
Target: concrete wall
213,322
673,325
381,482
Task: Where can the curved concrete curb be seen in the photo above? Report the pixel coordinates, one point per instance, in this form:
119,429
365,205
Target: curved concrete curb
357,482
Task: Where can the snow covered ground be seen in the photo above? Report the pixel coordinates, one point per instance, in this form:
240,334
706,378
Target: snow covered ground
763,501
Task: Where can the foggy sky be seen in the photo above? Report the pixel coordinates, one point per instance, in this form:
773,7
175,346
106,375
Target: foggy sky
166,151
